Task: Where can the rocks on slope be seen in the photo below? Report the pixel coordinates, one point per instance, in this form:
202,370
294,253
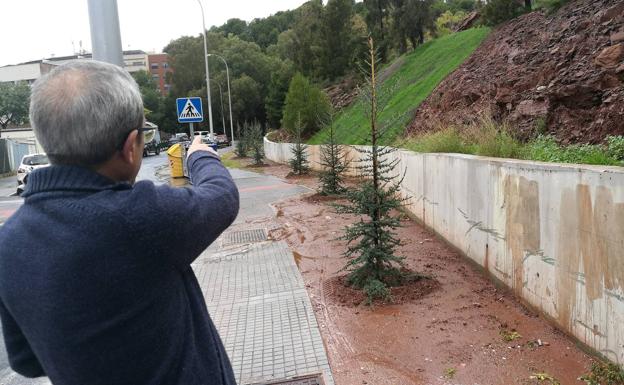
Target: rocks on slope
565,70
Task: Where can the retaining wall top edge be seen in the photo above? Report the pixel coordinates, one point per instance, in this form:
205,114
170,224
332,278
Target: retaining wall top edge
512,163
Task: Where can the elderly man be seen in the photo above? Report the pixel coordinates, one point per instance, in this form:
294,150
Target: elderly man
95,279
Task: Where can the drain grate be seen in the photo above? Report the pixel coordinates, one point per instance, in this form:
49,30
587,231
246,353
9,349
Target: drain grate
243,236
315,379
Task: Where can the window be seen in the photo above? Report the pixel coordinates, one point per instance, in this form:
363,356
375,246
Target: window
165,65
156,77
154,66
138,63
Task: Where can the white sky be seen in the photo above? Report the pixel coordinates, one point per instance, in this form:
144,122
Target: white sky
36,29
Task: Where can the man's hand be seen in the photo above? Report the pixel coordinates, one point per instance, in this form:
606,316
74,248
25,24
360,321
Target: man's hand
197,145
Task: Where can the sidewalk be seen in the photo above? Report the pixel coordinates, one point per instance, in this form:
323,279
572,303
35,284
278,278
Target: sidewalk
258,301
256,295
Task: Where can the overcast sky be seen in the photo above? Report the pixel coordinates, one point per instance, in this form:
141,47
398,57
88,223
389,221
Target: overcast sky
36,29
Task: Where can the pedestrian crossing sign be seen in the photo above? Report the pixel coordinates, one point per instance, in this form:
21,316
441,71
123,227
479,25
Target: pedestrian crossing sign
189,110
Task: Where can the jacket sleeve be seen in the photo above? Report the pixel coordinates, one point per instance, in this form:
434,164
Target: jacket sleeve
189,219
21,357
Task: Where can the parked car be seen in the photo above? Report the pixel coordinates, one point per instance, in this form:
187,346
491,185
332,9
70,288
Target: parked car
152,139
223,140
29,163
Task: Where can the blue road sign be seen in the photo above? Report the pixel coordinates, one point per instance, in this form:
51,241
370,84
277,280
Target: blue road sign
189,110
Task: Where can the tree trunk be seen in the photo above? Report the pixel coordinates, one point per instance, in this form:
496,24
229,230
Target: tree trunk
527,5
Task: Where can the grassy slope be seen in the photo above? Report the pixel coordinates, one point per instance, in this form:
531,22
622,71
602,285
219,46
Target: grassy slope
421,72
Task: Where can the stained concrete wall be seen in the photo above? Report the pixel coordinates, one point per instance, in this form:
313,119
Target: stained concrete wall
553,233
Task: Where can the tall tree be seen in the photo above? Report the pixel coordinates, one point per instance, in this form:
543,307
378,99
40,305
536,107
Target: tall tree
377,12
412,18
307,101
276,94
14,100
337,40
373,265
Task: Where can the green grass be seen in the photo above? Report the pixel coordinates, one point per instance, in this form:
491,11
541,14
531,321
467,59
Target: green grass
421,72
229,161
488,138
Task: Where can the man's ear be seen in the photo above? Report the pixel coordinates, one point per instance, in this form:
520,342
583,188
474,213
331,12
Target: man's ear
130,147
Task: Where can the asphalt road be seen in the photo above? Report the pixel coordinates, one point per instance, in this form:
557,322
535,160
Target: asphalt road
257,192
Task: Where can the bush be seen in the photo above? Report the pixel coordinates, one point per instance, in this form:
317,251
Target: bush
446,140
256,142
499,11
241,144
448,21
546,149
488,138
615,147
492,139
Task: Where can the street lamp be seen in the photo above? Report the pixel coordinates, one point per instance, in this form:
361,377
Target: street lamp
207,70
227,71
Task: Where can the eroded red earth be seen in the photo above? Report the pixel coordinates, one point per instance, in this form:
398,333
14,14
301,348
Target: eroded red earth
450,333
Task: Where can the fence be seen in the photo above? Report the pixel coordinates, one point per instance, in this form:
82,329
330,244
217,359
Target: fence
552,233
12,151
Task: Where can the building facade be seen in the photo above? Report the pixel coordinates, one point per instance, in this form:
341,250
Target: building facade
135,60
160,71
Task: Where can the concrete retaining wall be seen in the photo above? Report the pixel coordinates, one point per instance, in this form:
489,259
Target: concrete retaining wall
553,233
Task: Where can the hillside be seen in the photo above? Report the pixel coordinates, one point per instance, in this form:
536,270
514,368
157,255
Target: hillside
412,78
559,74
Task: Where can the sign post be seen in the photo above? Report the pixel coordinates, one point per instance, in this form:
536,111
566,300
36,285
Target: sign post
190,111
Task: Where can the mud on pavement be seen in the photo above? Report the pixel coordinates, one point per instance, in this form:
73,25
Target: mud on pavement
463,331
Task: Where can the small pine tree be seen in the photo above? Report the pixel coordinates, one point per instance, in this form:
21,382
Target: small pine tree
241,144
256,143
333,162
373,265
299,161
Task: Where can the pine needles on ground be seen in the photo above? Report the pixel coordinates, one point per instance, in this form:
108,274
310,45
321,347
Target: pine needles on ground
373,265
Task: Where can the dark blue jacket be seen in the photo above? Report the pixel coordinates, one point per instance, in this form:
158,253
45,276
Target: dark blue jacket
95,279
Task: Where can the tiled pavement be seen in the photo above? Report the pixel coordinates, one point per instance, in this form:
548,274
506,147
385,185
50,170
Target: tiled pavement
257,299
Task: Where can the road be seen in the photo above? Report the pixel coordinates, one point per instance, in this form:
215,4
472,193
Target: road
257,192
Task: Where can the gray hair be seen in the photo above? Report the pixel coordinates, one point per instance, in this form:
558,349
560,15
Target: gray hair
81,112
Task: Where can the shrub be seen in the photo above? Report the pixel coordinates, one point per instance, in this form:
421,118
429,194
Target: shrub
241,144
490,138
299,161
333,162
615,146
446,140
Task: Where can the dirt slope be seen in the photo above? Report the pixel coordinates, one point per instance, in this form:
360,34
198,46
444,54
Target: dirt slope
565,70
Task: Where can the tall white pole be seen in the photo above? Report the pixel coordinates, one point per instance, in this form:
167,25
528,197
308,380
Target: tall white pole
207,71
105,35
227,71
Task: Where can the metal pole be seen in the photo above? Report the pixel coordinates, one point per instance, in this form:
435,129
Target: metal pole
222,112
207,70
191,132
105,35
227,71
